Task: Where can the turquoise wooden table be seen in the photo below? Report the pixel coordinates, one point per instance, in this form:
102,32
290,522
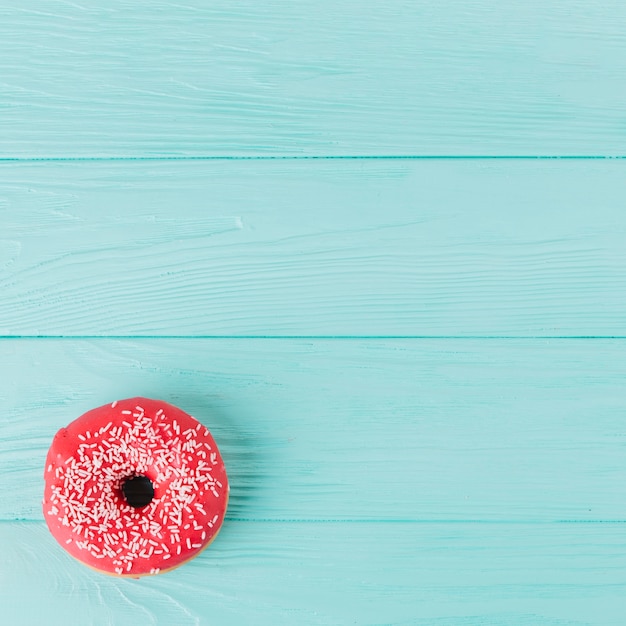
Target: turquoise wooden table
378,248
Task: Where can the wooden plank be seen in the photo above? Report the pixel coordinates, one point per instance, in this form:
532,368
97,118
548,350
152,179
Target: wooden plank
311,78
282,573
504,430
313,248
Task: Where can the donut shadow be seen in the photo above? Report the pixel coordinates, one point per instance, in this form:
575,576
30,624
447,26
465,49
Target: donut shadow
239,447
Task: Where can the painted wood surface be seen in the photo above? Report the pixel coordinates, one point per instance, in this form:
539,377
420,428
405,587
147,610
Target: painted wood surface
415,366
128,78
351,248
334,573
356,430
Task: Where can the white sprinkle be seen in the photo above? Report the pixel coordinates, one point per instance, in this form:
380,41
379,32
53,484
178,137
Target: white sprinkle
81,437
114,404
127,412
69,540
50,467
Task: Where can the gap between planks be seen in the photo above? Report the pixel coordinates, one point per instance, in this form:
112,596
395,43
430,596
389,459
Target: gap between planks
318,337
360,521
338,157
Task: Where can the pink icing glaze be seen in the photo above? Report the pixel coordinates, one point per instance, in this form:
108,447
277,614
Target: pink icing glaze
87,464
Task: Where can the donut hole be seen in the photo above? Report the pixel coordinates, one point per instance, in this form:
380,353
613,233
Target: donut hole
138,491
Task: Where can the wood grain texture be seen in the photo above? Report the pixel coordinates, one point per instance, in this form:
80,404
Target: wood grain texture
389,352
139,78
422,430
332,574
313,248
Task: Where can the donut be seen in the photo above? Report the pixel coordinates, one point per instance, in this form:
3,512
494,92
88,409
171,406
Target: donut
134,488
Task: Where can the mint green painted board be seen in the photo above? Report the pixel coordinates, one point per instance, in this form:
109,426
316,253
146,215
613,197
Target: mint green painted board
474,477
419,248
336,574
352,430
334,77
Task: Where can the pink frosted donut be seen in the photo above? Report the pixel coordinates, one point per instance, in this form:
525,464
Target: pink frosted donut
135,487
